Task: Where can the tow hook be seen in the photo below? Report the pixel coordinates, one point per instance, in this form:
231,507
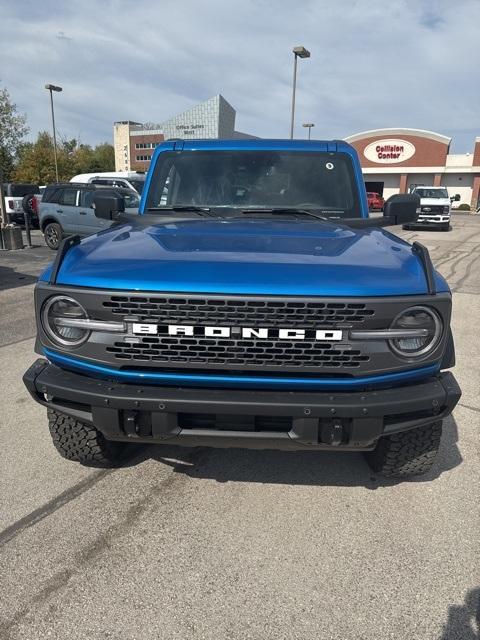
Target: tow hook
332,433
130,423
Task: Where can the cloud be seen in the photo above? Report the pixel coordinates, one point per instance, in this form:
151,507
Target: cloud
374,64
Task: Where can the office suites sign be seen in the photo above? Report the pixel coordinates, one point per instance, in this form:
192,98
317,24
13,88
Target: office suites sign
189,129
389,151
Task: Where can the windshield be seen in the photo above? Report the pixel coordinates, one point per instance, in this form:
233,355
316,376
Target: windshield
431,193
138,185
255,180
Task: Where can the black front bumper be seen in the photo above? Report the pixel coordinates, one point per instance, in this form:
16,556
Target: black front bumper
425,225
244,418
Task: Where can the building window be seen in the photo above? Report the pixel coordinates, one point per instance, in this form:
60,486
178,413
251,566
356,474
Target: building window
146,145
143,158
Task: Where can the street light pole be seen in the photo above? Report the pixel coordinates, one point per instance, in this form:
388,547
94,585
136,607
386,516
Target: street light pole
52,88
308,125
298,52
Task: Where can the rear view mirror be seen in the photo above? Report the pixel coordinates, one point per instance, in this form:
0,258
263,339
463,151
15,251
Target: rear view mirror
108,207
402,208
456,197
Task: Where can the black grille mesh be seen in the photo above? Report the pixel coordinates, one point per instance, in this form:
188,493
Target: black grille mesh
271,354
234,312
432,208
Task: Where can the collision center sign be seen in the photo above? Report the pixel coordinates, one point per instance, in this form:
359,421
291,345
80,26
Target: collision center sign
389,151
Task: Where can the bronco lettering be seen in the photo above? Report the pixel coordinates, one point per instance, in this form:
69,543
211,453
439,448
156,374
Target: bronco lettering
323,335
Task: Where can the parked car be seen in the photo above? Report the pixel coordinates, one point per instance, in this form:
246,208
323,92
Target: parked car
254,304
375,201
68,208
126,179
20,197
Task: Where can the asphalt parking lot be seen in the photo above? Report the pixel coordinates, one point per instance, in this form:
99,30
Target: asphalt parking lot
182,543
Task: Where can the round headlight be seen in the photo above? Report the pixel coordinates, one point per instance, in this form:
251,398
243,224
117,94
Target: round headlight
56,316
413,318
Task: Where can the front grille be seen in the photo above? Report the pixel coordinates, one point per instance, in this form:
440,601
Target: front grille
270,354
432,208
236,311
237,353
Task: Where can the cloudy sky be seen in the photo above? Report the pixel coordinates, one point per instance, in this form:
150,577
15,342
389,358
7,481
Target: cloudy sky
375,63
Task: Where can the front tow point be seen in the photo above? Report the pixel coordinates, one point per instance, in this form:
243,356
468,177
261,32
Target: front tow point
332,433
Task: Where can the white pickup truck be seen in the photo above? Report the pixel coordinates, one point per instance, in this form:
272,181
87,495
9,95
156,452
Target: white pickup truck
435,207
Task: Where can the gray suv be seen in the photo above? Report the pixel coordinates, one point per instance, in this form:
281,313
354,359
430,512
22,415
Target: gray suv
69,208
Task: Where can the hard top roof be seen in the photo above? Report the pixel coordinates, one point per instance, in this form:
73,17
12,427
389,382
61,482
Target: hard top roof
255,144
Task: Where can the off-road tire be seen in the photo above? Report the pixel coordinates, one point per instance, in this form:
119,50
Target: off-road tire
81,442
53,235
410,453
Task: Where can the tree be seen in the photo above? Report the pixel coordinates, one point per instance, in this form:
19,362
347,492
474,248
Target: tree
99,159
36,161
84,159
13,127
104,157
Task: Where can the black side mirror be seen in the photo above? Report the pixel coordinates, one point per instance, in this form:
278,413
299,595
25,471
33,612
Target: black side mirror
402,208
456,197
108,207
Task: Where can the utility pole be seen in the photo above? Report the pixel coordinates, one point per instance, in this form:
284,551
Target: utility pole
52,88
298,52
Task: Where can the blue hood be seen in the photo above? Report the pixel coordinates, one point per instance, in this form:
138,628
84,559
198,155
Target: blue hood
273,257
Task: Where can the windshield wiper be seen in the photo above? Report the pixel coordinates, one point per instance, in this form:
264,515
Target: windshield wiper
288,210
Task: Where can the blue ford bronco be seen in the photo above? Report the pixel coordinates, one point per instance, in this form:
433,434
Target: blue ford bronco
252,302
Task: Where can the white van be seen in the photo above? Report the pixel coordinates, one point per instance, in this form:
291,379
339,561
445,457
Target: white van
128,179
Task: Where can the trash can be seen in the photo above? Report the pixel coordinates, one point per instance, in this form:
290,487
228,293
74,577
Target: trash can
12,237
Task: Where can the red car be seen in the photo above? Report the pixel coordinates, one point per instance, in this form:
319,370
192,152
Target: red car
375,201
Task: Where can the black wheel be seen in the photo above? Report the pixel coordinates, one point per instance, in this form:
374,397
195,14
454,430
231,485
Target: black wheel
446,227
81,442
410,453
53,235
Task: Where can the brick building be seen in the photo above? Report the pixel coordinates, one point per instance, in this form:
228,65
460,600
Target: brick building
393,160
134,142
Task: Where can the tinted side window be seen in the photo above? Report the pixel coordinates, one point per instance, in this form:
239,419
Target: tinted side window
69,197
52,194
